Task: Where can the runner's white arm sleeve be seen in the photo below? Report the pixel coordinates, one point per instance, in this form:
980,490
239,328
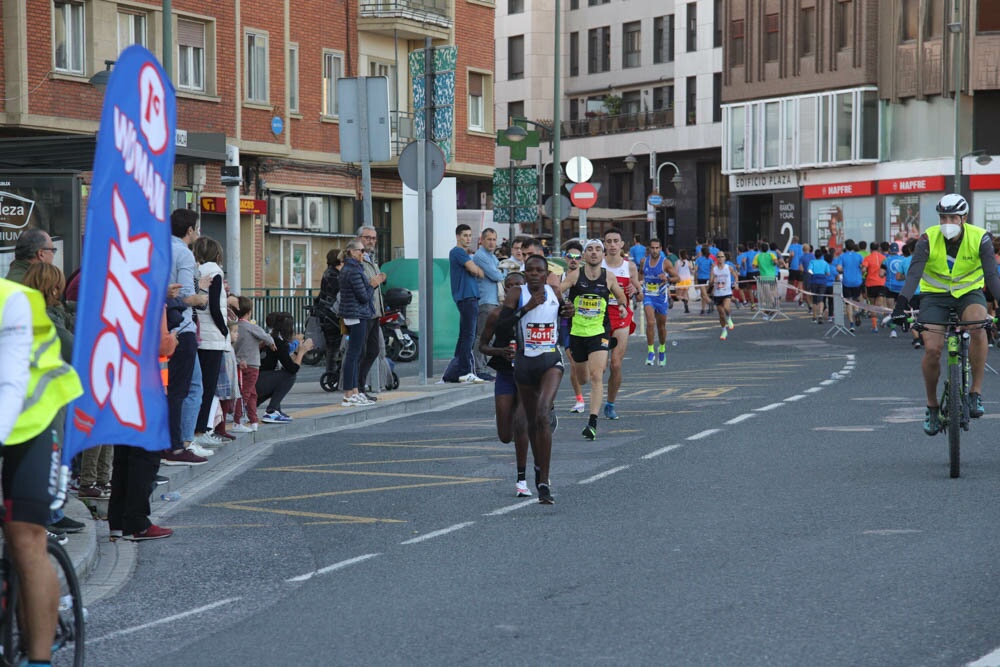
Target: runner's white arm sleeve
15,353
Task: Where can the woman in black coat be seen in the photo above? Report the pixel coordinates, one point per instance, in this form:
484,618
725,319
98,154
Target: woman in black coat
356,309
329,321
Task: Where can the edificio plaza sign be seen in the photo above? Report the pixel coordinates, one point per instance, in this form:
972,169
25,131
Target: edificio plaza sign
775,180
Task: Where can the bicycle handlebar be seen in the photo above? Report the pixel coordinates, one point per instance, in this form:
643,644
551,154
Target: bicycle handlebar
958,324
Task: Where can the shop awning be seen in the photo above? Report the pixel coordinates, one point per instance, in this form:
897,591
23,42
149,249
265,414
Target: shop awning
76,151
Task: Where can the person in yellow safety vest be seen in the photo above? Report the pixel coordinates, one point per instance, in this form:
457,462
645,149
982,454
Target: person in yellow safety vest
35,383
950,264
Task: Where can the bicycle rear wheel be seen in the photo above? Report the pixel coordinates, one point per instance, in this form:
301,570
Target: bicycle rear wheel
954,390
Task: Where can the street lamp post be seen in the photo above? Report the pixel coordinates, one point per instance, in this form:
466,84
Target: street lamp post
631,160
955,28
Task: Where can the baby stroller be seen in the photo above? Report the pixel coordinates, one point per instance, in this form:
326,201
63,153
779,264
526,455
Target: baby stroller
331,379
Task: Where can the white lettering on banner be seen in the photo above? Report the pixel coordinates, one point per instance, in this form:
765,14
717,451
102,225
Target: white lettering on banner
845,189
919,184
114,372
786,210
138,164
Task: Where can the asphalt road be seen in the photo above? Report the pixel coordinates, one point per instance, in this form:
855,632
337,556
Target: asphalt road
747,509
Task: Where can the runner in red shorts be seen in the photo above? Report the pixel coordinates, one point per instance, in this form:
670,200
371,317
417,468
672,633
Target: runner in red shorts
616,262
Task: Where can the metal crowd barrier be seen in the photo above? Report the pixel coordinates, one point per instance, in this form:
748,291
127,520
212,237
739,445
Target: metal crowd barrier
768,300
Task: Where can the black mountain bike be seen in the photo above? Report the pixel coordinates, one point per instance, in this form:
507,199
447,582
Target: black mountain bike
955,396
68,644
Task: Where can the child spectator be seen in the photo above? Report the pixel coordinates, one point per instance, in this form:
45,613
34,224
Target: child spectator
247,344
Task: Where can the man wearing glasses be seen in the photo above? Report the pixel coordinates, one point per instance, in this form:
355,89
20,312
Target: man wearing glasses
33,246
368,236
485,258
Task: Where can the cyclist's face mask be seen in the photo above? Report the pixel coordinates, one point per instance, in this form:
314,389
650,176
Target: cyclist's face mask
950,230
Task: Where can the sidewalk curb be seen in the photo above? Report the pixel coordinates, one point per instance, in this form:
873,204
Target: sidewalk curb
86,553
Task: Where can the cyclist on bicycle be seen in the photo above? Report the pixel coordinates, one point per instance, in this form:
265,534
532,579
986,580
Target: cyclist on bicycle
951,263
34,384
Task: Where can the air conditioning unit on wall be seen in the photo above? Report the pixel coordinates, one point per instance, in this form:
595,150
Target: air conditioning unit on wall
315,214
291,212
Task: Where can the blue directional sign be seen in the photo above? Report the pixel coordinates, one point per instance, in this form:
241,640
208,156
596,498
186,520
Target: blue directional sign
655,199
277,125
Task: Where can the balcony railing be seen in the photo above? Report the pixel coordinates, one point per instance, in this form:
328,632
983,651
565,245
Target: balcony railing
626,122
417,10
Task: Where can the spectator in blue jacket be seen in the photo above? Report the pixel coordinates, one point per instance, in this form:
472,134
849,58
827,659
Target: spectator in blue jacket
356,309
486,259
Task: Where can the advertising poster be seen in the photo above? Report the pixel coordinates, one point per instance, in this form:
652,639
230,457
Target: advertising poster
904,216
830,225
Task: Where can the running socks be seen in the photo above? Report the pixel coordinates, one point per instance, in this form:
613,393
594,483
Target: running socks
649,348
579,398
593,421
521,474
663,348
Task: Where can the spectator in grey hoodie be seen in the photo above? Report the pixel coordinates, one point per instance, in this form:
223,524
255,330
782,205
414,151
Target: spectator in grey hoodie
247,349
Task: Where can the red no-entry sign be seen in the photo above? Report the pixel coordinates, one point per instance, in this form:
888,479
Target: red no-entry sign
583,195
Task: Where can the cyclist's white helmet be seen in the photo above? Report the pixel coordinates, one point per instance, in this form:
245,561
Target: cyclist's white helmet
953,204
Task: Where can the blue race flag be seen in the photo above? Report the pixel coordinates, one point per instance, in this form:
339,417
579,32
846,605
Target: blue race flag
126,264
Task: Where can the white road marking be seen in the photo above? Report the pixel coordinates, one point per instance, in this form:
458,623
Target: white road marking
167,619
769,407
741,418
989,660
511,508
662,450
827,382
439,533
850,357
813,390
330,568
792,399
602,475
704,434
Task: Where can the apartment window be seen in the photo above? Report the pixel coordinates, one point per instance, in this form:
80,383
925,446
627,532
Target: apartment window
68,38
908,20
131,30
736,43
989,16
598,50
574,4
256,67
692,26
807,31
844,20
574,54
771,37
737,138
631,44
692,100
515,6
934,20
632,102
515,110
333,69
594,3
663,97
515,58
717,97
190,55
477,107
388,70
772,134
663,39
717,24
293,78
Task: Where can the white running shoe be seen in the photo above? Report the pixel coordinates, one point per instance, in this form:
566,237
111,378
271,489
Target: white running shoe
893,334
471,378
522,490
198,450
579,407
240,428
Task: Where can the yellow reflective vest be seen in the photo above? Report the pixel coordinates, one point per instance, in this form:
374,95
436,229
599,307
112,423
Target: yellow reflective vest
52,383
967,272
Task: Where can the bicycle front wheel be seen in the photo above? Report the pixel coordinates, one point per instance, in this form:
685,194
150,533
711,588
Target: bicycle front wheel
954,417
68,646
